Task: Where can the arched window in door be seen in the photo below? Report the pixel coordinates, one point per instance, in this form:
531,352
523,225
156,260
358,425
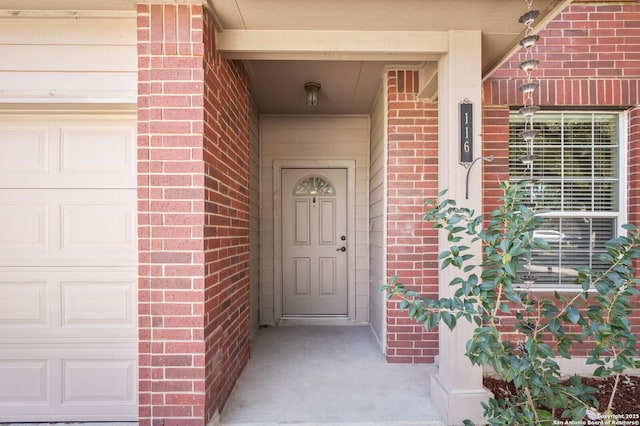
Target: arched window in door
313,185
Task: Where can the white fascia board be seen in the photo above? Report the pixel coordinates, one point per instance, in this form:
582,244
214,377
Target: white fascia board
333,45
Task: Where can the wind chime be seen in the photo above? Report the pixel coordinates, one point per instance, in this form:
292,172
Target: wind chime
528,109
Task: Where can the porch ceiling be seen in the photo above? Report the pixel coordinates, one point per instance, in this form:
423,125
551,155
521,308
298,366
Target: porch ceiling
349,86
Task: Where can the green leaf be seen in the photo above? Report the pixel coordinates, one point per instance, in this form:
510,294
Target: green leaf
554,325
444,254
573,314
456,218
448,319
546,416
546,350
432,321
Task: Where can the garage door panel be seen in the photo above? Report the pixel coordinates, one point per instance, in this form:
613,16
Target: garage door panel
23,228
99,230
30,381
24,303
67,227
97,150
86,304
52,382
67,304
23,150
115,375
89,153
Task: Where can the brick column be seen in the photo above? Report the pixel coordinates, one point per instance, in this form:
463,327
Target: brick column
193,203
171,215
412,246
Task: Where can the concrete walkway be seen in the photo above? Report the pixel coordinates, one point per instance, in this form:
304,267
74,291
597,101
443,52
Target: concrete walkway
328,375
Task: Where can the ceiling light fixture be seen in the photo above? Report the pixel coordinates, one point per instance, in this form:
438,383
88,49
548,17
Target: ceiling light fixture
312,89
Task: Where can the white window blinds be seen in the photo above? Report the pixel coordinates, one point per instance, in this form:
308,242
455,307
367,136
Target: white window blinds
576,175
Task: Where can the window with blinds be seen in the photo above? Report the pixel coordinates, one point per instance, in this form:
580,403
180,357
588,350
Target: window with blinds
576,174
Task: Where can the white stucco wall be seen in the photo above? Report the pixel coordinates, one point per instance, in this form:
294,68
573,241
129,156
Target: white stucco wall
323,140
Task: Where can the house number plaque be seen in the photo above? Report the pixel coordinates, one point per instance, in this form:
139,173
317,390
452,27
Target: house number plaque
466,132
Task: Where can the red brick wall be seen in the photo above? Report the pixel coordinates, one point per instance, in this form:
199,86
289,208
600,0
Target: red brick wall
412,246
170,215
495,132
226,232
589,56
192,210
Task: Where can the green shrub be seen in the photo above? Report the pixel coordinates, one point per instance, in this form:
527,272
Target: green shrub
599,309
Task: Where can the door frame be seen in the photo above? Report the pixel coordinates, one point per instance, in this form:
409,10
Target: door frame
350,166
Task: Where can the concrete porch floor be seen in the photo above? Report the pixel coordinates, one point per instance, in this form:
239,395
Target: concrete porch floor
328,375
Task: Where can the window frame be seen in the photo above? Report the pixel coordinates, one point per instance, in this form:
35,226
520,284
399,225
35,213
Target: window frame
620,216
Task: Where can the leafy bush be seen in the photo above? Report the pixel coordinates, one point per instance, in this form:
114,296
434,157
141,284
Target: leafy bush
595,313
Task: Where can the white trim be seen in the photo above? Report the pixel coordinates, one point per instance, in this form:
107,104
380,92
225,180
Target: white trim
60,96
623,172
578,214
295,321
127,110
75,14
350,166
333,45
385,217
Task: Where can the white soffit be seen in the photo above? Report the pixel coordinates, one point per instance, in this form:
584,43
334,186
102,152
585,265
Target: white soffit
287,42
496,19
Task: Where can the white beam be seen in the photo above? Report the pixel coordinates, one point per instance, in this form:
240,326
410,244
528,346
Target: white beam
333,45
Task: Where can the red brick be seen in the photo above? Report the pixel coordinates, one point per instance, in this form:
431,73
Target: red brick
592,50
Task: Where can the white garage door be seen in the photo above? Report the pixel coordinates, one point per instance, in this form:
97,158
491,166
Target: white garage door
68,256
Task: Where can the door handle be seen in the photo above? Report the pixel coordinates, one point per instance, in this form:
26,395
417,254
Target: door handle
342,249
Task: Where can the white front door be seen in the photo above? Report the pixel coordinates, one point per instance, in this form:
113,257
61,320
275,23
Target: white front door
314,234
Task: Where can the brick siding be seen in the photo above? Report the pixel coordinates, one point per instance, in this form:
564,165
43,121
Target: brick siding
192,219
226,237
412,246
589,57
